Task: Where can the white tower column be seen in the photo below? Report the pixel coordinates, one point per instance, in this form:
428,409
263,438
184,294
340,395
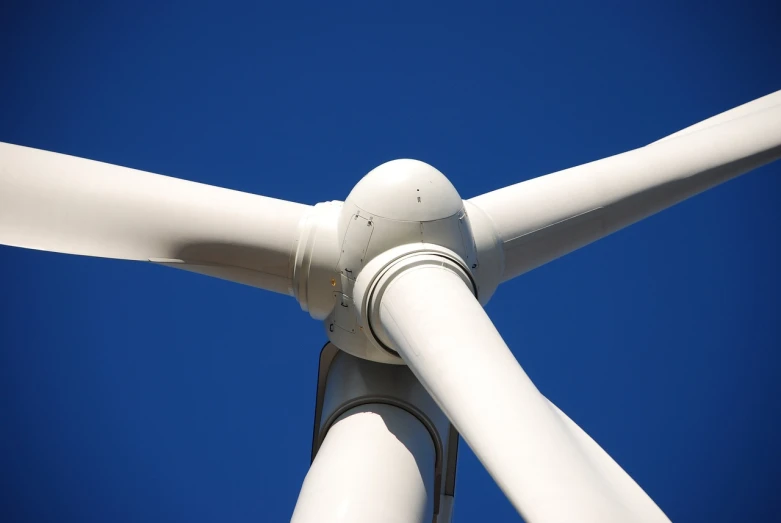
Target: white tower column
375,464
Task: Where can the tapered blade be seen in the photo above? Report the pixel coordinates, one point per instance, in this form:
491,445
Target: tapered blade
61,203
543,218
546,465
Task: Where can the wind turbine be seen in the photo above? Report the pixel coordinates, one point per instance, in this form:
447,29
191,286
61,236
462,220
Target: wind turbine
398,273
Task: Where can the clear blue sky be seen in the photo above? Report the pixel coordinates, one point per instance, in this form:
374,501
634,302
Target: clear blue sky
131,392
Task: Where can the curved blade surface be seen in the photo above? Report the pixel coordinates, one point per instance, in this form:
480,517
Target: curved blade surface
549,469
61,203
754,106
544,218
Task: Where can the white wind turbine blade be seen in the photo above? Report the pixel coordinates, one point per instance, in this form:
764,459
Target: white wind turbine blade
61,203
754,106
611,472
541,219
548,468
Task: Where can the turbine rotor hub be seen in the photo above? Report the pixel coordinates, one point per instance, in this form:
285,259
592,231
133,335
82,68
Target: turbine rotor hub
401,208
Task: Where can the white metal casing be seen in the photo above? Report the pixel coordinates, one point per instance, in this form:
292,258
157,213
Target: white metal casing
316,255
380,272
376,464
402,202
348,387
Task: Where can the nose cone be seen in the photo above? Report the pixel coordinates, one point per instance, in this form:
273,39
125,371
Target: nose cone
406,190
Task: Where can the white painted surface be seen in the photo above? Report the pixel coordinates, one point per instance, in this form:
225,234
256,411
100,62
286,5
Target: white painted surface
541,219
352,378
367,336
375,465
61,203
611,472
350,381
317,253
402,203
374,281
489,253
408,190
450,344
754,106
